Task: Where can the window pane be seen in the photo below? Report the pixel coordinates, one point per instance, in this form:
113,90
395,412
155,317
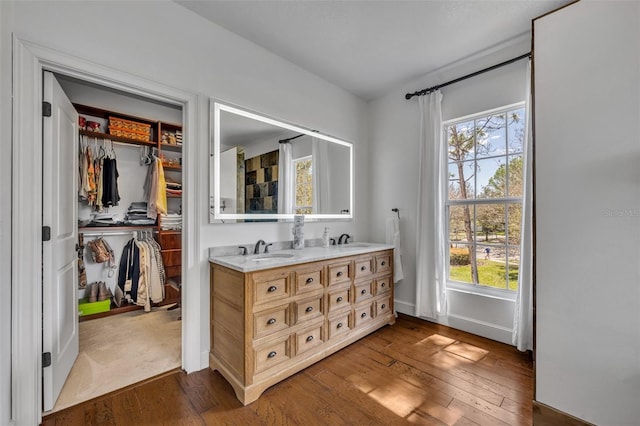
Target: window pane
461,223
492,266
515,175
515,130
460,140
491,177
514,268
491,136
304,183
514,223
460,263
457,191
490,223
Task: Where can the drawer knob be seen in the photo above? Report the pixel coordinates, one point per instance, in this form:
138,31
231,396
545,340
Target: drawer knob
362,268
309,280
272,289
383,284
383,263
309,338
339,325
339,274
309,309
362,315
271,321
383,306
272,354
339,299
363,291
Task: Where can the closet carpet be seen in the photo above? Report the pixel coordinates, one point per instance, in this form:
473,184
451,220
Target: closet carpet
121,350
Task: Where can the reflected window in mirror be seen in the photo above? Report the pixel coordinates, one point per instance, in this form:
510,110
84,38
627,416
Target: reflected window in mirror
266,169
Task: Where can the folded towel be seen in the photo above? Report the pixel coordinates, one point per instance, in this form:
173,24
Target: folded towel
393,238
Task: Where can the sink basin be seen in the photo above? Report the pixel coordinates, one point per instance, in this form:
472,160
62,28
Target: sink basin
269,256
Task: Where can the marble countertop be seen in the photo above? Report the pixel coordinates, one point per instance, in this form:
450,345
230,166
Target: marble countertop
275,259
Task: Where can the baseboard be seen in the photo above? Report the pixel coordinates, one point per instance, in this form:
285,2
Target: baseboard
480,328
543,415
405,308
204,360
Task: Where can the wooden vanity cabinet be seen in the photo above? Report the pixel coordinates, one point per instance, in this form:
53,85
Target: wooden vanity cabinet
267,325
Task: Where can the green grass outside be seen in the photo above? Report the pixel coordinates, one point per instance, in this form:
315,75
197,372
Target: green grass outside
490,273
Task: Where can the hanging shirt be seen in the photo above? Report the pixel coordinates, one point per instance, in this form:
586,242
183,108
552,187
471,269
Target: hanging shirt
161,201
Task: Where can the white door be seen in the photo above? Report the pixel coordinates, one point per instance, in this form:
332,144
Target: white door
59,212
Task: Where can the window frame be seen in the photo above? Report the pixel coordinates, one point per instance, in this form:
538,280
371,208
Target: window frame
478,288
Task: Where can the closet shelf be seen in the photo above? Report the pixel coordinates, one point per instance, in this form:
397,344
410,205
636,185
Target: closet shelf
107,229
172,168
168,147
115,138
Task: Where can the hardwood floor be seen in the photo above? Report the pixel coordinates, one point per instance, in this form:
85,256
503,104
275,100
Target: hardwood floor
413,372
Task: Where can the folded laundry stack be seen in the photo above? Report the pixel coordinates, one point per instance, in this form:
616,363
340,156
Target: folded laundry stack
171,221
104,219
137,215
174,188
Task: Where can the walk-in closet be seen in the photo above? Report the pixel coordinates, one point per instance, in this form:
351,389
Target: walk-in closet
129,227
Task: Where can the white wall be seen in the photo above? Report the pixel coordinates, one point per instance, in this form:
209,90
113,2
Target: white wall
394,127
165,43
587,98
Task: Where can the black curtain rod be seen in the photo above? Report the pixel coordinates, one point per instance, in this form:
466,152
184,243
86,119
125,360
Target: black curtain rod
290,139
434,88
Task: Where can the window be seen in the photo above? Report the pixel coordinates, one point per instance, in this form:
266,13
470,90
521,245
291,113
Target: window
303,185
484,203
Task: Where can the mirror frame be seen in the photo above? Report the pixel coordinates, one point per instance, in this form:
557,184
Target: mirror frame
216,107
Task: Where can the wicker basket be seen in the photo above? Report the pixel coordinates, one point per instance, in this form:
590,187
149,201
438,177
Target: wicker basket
129,129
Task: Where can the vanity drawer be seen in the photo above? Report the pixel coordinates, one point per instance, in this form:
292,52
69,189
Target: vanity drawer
308,339
383,285
339,273
362,291
308,280
339,325
383,306
363,267
274,289
271,321
272,354
307,309
383,263
339,299
363,314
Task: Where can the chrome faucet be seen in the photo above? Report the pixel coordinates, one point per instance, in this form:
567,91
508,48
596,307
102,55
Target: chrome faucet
346,239
256,250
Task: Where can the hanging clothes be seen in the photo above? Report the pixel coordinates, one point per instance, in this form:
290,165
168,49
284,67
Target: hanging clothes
141,275
110,194
151,190
161,200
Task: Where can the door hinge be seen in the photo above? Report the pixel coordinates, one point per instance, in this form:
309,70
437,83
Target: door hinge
46,359
46,233
46,109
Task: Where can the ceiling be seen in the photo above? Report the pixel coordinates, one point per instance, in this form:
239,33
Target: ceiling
369,47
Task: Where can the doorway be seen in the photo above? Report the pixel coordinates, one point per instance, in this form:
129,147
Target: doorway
123,336
29,61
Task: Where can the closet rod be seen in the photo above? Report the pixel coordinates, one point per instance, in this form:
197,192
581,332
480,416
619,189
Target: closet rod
105,233
473,74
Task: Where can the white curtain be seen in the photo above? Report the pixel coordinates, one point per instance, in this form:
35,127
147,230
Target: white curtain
523,313
320,176
285,179
432,189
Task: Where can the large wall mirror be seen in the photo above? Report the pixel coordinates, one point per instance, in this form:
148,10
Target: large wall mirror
264,169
